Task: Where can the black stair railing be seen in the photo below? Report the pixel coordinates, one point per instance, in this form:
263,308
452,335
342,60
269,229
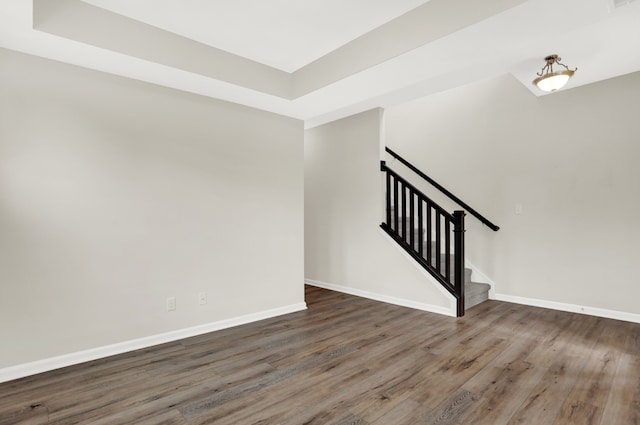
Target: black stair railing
441,188
426,231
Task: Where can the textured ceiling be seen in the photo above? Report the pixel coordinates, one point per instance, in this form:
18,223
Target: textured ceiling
320,60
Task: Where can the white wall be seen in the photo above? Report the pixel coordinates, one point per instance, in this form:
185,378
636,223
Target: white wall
570,159
116,194
344,246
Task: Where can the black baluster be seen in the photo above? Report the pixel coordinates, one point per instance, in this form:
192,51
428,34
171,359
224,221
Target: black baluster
412,219
420,228
404,212
429,236
388,213
395,205
447,245
437,258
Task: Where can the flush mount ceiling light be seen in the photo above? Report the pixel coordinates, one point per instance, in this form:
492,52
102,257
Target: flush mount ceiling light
549,80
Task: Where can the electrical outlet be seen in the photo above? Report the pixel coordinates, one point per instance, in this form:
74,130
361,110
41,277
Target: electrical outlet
202,298
171,303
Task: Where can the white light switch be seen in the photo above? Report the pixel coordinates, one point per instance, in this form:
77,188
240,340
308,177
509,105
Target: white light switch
171,303
519,209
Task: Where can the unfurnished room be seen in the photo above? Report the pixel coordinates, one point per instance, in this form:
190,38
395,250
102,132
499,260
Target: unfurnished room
383,212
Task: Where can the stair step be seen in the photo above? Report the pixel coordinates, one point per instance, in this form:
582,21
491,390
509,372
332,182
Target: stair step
475,293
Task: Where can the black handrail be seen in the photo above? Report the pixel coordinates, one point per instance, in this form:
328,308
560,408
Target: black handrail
441,188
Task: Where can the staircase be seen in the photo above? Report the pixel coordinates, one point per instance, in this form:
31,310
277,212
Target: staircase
431,235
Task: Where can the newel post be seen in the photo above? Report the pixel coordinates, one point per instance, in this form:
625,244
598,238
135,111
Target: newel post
387,196
458,233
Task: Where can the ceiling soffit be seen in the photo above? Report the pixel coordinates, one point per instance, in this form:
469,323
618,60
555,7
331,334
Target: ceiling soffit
417,54
82,22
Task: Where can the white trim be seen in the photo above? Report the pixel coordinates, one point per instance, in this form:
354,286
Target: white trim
434,282
44,365
382,298
572,308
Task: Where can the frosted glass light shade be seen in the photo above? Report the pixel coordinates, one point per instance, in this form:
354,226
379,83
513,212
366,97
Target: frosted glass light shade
553,81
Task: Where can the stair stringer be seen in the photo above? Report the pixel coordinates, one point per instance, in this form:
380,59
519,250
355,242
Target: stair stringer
451,311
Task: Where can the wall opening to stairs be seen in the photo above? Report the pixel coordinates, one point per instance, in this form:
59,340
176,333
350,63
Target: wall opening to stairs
345,249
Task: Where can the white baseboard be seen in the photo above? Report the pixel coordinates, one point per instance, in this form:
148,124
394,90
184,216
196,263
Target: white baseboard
383,298
479,276
572,308
44,365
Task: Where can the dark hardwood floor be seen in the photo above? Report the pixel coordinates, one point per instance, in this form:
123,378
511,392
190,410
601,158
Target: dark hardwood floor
348,360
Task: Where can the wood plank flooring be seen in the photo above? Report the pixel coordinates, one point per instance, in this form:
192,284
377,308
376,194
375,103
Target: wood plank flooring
348,360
